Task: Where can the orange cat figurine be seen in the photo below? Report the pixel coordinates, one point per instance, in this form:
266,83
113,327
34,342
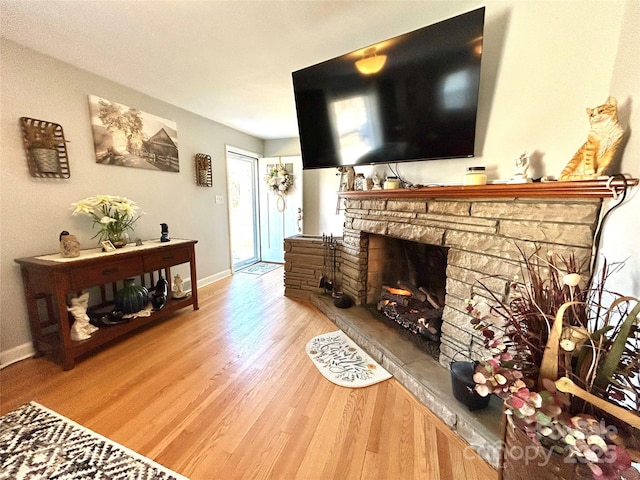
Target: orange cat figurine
605,134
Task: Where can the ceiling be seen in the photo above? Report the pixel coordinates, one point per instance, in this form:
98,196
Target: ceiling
229,61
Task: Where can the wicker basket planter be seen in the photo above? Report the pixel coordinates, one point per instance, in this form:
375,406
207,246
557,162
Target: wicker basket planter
523,459
46,159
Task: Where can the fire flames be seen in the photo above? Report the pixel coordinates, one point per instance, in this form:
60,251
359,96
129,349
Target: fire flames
398,291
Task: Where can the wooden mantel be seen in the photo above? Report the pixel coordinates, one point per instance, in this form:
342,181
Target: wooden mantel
575,189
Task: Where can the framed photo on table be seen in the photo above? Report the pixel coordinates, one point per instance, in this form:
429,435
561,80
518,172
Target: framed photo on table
107,246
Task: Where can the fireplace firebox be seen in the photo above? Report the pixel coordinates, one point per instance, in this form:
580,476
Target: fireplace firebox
406,282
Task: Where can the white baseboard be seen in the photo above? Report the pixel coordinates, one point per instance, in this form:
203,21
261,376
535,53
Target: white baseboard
16,354
214,278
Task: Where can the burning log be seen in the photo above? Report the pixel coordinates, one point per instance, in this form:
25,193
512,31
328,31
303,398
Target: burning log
413,312
415,292
400,296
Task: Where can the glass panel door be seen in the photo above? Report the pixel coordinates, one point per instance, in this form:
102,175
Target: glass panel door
280,217
243,211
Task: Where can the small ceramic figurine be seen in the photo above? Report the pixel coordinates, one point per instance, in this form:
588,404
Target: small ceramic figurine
351,179
81,328
376,182
164,237
69,245
369,183
347,179
520,167
178,291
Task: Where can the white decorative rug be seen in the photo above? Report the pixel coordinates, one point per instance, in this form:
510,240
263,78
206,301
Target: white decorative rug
38,443
260,268
343,362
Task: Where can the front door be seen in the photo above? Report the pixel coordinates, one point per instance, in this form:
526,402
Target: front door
280,214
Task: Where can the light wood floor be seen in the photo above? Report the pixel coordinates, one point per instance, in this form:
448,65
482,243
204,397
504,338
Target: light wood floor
228,392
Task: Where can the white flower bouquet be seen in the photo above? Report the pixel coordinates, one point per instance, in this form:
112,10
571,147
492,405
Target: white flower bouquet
113,215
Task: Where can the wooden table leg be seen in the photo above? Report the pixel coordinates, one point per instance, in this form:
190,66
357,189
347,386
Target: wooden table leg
68,358
32,310
194,277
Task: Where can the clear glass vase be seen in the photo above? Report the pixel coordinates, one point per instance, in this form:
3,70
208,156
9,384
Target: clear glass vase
119,240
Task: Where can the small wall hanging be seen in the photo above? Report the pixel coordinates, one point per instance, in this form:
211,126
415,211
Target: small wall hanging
45,147
204,176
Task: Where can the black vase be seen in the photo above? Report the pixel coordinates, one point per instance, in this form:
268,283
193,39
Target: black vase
159,296
463,385
131,298
162,287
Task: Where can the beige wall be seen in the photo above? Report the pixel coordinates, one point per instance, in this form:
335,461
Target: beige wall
34,211
543,63
622,228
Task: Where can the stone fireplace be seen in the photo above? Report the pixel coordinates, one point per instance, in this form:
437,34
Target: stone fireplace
482,230
483,237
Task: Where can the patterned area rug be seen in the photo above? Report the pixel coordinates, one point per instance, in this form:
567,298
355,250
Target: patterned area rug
260,268
343,362
38,443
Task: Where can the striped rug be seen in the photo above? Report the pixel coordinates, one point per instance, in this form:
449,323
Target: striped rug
38,443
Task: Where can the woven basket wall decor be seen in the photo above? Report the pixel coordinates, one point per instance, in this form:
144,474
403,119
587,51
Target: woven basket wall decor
204,175
46,150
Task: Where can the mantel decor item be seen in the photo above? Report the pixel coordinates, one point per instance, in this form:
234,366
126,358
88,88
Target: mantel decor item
520,166
475,176
45,147
593,158
204,176
114,216
564,358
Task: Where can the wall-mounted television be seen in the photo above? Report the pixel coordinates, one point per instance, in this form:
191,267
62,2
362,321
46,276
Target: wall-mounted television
421,105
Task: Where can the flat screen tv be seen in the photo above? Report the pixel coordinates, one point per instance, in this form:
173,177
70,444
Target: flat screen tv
421,105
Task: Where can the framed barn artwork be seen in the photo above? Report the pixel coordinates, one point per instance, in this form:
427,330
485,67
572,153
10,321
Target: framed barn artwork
128,137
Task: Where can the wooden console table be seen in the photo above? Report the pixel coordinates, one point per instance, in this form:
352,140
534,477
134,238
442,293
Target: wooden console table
53,279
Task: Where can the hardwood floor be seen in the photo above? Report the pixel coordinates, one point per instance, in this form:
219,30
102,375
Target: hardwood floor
228,392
